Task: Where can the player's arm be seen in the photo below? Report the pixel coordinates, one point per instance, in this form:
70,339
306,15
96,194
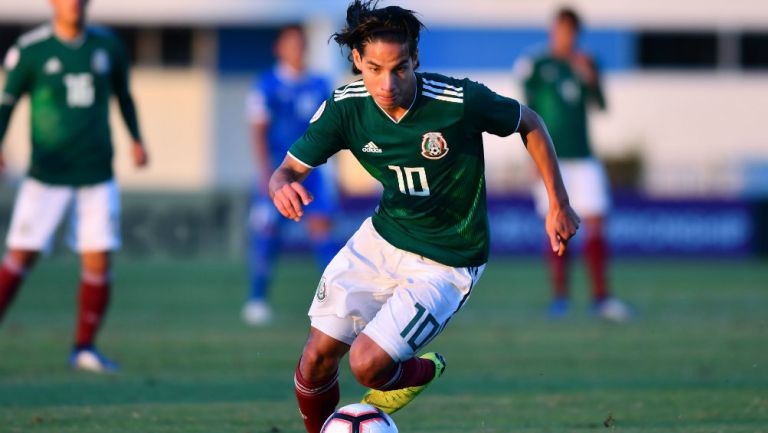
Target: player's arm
286,190
322,140
257,111
562,221
587,69
16,84
122,90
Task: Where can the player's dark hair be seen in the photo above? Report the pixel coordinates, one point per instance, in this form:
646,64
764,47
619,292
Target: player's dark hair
569,14
365,23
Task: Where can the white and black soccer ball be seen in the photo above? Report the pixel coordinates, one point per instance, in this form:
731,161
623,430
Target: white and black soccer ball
359,418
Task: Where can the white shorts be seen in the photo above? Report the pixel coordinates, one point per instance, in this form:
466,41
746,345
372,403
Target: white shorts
399,299
587,186
39,208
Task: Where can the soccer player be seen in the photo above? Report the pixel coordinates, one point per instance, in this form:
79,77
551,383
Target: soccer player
279,107
561,85
70,70
411,266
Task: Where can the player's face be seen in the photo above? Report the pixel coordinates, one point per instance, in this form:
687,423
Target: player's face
69,12
387,69
289,48
563,36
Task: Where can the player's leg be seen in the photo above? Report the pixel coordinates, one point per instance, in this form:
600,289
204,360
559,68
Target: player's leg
558,266
319,229
95,233
319,215
37,213
383,356
374,368
604,304
317,378
596,256
559,269
592,201
14,268
93,301
263,246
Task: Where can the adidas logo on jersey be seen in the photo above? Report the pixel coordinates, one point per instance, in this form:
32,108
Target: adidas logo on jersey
371,147
52,66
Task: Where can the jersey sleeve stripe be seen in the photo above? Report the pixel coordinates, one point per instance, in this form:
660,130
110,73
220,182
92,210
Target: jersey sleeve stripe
300,161
519,117
443,91
34,36
439,84
442,97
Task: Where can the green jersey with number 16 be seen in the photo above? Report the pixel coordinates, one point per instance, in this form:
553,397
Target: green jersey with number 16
69,85
430,162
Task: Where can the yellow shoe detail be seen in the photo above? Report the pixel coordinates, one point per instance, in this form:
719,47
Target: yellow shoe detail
396,399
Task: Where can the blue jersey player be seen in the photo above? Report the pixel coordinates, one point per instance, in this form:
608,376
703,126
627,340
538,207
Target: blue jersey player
280,105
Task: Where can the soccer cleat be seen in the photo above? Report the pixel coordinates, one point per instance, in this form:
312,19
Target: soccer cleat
396,399
256,312
89,359
612,310
558,308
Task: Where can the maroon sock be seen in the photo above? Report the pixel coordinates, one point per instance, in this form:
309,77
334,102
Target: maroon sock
596,256
11,276
413,372
94,298
558,267
317,400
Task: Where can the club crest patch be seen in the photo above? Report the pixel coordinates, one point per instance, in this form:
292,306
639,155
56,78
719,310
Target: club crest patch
433,145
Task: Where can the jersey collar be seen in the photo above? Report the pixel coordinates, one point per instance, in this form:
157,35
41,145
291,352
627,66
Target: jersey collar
71,43
415,96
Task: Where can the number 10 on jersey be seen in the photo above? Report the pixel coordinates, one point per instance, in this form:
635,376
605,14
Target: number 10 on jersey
406,177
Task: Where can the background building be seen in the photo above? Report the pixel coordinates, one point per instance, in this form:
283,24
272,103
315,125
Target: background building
684,87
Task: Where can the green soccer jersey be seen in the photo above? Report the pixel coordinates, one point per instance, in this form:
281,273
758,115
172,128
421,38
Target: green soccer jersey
430,162
555,91
69,85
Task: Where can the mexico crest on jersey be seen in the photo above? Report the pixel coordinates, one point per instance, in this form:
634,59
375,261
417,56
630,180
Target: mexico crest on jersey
100,61
433,145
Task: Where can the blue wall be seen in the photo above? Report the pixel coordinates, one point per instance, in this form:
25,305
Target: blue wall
484,48
248,49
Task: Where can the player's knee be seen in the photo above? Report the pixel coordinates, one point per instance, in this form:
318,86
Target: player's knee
370,369
315,365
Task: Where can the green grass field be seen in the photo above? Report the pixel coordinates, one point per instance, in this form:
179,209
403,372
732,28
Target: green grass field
695,359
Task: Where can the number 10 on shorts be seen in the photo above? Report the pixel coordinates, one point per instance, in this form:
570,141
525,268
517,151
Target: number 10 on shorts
422,328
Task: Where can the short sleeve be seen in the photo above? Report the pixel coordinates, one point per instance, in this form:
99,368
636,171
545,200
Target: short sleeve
491,112
17,75
256,107
322,139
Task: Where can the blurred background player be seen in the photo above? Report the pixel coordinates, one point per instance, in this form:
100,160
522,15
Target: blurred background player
70,70
561,84
279,107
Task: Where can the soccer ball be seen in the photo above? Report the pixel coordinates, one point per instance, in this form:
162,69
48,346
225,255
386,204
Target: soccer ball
359,418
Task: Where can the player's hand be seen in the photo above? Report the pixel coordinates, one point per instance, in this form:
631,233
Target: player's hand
585,67
290,198
140,157
2,164
562,223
